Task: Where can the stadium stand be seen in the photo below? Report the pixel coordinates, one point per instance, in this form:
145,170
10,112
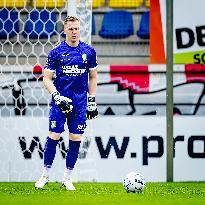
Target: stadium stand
48,3
9,23
147,3
143,31
40,24
13,3
98,3
125,3
117,24
30,37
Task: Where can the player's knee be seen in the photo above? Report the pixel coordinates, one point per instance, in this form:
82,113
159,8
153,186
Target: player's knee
75,137
54,135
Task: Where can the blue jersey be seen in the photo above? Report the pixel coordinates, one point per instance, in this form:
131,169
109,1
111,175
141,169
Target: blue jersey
71,66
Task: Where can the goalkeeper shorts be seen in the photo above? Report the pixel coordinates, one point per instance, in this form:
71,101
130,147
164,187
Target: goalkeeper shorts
76,122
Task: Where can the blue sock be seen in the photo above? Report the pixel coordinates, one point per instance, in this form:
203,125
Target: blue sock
72,154
49,152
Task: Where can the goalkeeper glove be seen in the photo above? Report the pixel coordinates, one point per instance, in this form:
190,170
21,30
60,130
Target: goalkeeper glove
62,102
92,111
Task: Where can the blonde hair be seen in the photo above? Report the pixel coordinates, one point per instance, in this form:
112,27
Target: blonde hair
71,18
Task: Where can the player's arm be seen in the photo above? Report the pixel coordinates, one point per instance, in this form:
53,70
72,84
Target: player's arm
48,81
63,103
92,111
92,87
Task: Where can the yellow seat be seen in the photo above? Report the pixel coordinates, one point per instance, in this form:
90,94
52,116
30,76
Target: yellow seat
98,3
147,3
125,3
48,3
13,3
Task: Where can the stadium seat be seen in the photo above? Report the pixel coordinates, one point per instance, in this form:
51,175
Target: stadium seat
143,31
117,24
9,23
13,3
98,3
93,24
48,3
147,3
40,24
125,3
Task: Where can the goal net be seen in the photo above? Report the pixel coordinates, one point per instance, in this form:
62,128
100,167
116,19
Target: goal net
28,31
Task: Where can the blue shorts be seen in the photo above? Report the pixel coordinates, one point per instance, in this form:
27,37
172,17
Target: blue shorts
76,122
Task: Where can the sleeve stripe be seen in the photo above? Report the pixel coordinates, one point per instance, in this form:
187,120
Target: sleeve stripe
93,68
53,71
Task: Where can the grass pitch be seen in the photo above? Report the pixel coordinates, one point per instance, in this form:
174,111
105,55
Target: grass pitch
102,194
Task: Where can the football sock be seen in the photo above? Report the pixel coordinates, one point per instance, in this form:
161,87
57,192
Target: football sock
72,154
68,173
46,171
49,153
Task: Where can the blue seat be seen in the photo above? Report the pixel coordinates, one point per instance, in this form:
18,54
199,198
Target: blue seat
143,31
40,24
93,24
117,24
9,23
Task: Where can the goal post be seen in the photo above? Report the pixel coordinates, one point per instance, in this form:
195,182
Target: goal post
169,95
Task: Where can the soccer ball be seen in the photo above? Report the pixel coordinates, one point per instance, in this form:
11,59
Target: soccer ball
134,182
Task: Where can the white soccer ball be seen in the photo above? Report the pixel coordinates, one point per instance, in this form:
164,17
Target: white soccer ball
134,182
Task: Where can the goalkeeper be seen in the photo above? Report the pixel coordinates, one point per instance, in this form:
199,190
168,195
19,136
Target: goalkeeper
73,65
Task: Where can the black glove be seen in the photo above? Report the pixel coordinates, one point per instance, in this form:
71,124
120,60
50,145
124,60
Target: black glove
62,102
92,111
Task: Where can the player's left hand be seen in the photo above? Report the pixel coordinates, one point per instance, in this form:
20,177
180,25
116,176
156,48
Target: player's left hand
92,110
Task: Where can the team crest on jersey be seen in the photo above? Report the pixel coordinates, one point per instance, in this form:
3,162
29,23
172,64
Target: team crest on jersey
53,124
84,57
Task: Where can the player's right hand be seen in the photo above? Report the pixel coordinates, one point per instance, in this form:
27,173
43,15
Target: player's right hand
62,102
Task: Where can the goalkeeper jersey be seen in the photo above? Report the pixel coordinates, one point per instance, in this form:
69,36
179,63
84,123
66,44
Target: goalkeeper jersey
71,66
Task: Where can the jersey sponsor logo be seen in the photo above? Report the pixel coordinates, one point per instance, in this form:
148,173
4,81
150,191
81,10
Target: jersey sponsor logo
73,70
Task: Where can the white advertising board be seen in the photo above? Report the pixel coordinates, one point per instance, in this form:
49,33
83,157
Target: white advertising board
119,145
188,30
